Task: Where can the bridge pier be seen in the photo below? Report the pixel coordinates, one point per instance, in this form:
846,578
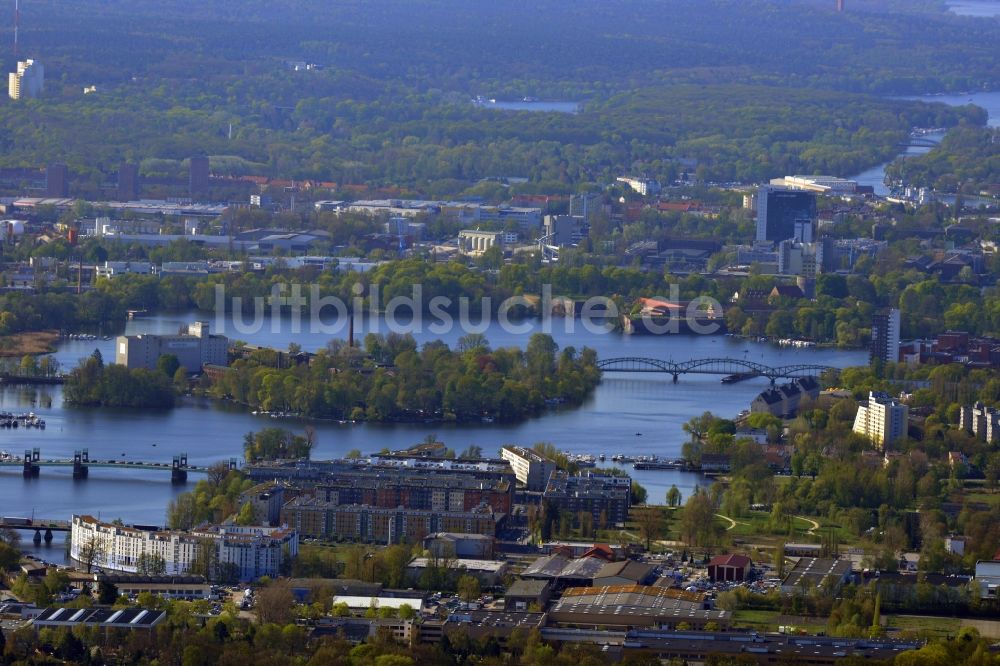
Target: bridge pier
80,469
30,469
676,376
48,535
37,539
178,472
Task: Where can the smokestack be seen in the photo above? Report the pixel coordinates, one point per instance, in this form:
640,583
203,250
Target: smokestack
840,5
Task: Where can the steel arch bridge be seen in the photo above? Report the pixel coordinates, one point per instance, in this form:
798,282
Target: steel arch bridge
709,366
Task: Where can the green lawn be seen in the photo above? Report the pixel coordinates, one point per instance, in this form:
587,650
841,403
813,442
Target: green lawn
761,620
931,627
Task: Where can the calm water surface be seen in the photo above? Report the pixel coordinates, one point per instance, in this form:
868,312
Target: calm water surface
622,407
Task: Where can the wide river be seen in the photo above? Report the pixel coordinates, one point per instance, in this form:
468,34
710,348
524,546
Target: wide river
610,422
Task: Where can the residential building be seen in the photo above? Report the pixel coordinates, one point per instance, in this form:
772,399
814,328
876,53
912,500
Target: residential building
883,420
783,401
778,209
606,498
531,469
28,81
981,421
316,518
266,499
644,186
247,552
193,350
884,347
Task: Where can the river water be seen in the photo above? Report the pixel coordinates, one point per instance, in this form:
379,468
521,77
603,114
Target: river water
975,8
610,422
987,100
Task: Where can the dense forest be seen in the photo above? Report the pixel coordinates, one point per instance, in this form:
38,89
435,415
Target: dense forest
967,161
726,90
391,380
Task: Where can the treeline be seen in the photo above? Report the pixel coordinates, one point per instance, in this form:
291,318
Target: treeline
93,383
745,84
391,380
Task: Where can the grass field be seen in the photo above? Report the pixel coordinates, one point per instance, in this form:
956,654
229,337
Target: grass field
930,627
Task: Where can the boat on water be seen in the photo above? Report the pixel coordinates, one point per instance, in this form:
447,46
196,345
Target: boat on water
738,377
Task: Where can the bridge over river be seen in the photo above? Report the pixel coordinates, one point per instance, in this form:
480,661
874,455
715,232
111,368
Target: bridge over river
732,368
81,463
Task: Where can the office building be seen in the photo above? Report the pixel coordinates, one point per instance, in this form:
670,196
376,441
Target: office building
128,181
57,180
530,469
981,421
198,175
820,184
193,350
883,420
584,205
884,346
27,82
606,498
244,552
564,230
778,209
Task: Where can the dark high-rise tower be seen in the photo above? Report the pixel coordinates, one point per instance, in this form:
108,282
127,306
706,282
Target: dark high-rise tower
198,175
778,209
57,180
128,181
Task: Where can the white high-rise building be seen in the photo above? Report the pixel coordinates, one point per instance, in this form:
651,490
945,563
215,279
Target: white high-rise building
27,81
883,420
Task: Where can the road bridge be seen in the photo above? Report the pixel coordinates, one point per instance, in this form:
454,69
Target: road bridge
81,464
741,368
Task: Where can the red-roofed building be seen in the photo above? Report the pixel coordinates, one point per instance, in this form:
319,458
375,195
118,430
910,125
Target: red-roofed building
729,568
602,551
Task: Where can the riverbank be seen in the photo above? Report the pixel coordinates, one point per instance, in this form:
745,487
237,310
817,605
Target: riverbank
29,343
